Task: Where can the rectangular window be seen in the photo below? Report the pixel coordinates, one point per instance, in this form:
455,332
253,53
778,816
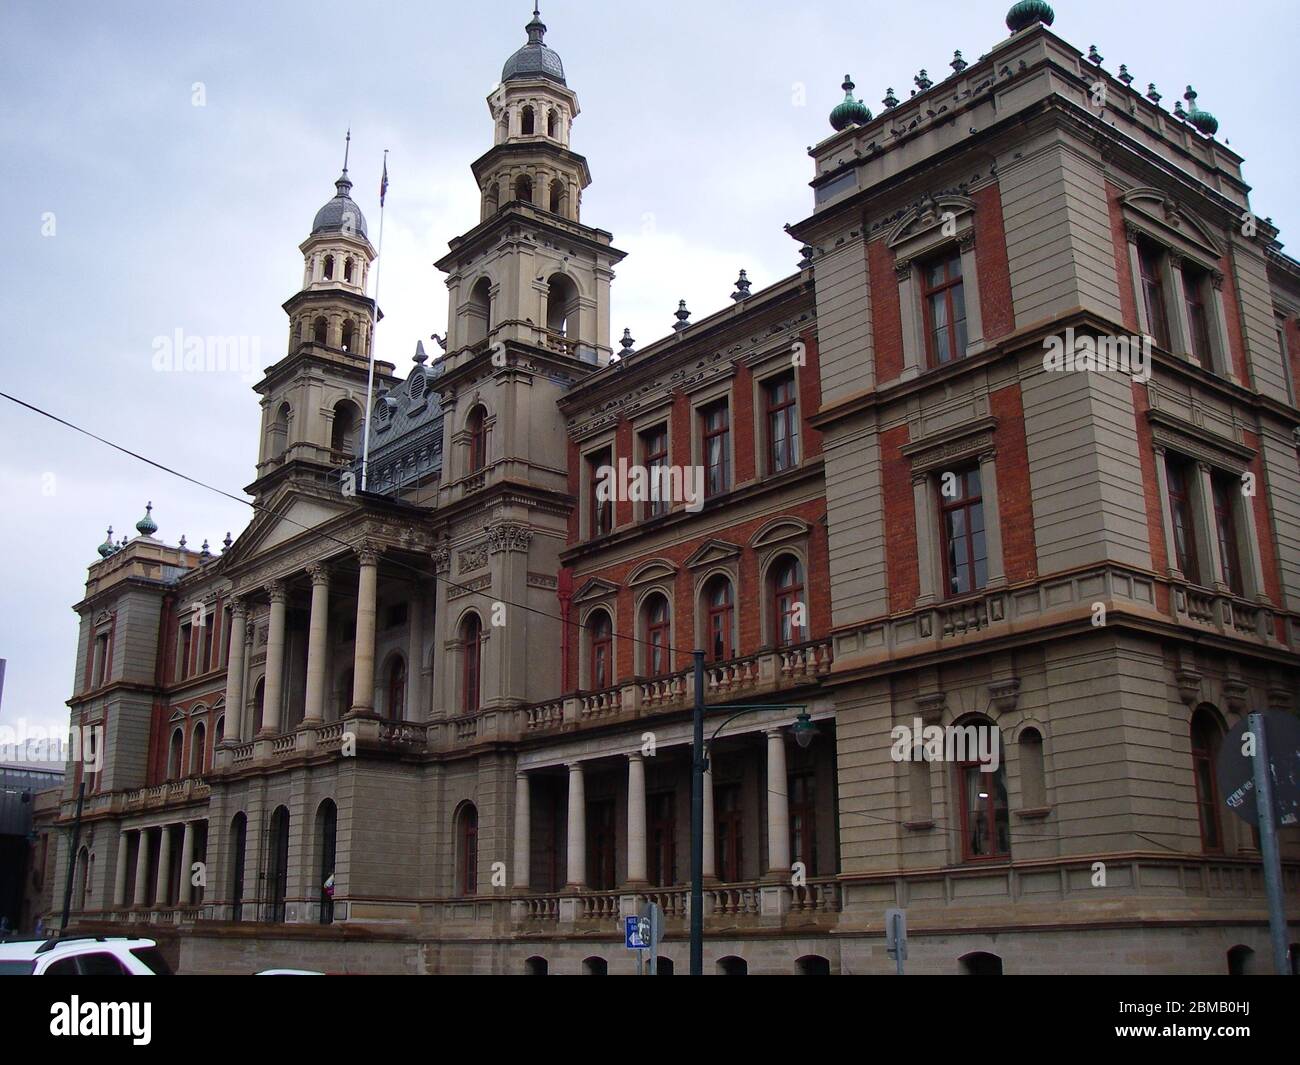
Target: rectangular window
663,839
716,421
654,451
965,553
943,296
1180,516
602,845
782,424
209,637
986,827
1226,490
599,485
1150,265
1194,282
729,834
187,637
803,820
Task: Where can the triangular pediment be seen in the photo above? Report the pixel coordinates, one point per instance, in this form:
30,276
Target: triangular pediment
285,518
711,552
594,589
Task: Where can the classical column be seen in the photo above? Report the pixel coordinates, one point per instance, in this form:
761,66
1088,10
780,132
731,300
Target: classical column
317,637
415,658
141,894
187,860
909,305
363,666
994,568
119,880
235,671
273,693
248,723
577,849
710,865
778,806
523,833
636,834
162,896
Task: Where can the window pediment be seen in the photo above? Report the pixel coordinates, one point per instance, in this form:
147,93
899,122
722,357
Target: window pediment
595,590
780,531
1168,221
712,552
657,569
923,225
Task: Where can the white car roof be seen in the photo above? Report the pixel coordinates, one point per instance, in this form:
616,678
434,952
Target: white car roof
28,949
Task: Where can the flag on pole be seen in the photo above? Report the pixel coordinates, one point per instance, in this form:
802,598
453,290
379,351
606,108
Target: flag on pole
383,182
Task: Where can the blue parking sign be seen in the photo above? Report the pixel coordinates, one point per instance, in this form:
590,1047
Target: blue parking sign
632,934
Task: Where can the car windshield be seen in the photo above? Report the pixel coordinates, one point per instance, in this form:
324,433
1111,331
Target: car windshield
16,967
153,958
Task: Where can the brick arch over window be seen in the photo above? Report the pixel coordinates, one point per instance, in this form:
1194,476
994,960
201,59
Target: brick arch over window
655,624
785,589
598,638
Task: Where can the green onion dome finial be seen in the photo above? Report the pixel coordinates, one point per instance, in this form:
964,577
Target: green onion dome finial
1027,12
107,547
146,526
849,112
1202,120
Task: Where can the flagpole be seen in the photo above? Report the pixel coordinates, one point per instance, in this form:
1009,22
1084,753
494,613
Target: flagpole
374,331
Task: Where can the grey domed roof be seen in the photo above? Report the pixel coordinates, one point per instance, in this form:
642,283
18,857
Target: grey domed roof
341,213
534,60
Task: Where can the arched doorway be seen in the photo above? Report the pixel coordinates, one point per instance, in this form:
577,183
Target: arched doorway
326,842
278,865
238,844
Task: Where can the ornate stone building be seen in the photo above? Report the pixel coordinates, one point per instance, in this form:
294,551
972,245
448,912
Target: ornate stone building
442,724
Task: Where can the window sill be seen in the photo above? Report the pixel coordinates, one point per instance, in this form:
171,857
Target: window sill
1037,814
918,826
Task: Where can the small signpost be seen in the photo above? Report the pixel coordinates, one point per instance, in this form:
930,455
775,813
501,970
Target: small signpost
644,932
896,937
1259,777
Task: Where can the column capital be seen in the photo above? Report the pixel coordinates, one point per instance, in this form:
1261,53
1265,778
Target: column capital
442,559
574,767
319,573
902,269
636,756
1216,279
966,240
277,591
1131,232
368,552
238,607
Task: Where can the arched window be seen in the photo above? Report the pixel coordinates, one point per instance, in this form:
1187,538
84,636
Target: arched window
279,862
813,965
320,331
561,306
789,611
467,850
397,689
1241,961
1033,784
478,319
656,626
557,196
663,966
471,638
719,617
174,755
477,429
980,963
259,705
198,751
238,842
732,966
348,269
536,967
280,430
600,636
329,268
982,792
1206,735
595,967
524,188
327,817
528,122
349,334
219,733
346,429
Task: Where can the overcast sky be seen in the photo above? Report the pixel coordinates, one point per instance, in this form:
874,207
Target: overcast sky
168,216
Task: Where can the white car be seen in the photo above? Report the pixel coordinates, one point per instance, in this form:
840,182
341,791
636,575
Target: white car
83,956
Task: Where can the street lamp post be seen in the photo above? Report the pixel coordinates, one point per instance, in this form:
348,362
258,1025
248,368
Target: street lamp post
699,763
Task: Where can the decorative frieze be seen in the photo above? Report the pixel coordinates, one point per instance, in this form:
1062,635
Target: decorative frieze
472,558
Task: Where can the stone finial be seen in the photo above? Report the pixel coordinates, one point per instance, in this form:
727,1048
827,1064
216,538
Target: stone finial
183,542
890,99
206,552
1124,75
1095,56
420,357
226,543
627,344
742,288
683,317
1152,95
923,81
958,64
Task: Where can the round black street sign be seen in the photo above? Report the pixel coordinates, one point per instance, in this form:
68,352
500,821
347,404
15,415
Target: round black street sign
1236,770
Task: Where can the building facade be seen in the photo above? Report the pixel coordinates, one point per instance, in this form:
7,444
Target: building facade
440,721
